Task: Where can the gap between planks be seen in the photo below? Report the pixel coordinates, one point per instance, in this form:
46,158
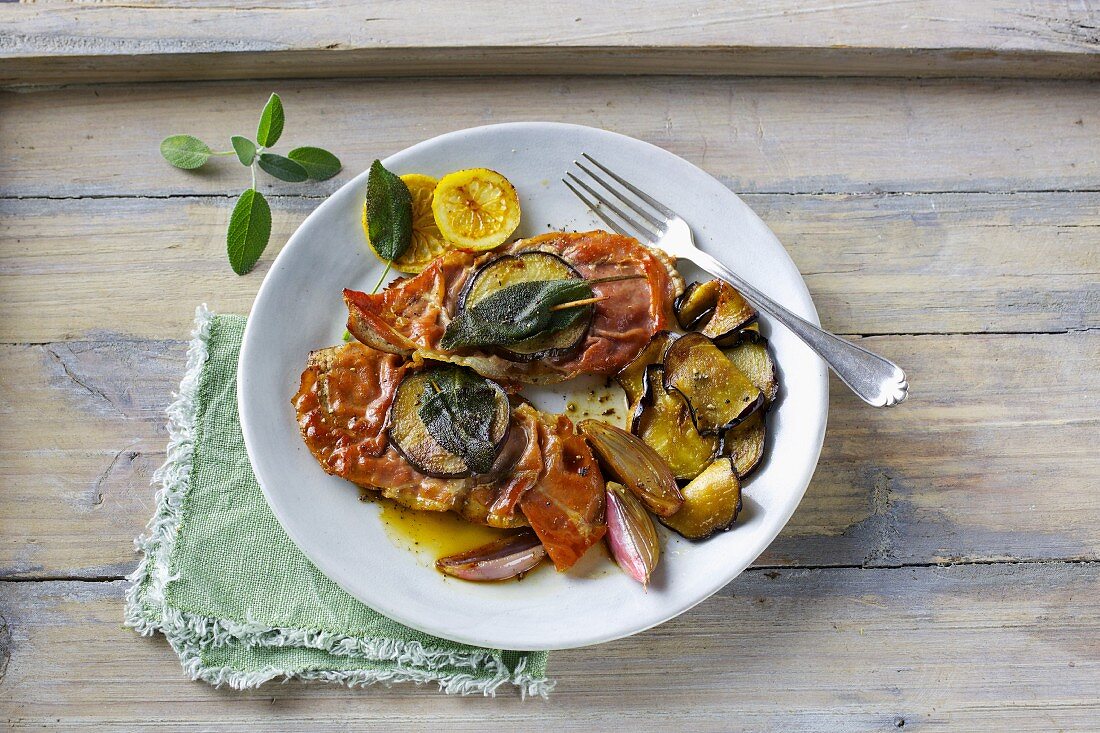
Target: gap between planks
750,570
915,334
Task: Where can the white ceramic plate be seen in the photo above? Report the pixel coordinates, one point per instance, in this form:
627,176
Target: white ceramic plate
299,308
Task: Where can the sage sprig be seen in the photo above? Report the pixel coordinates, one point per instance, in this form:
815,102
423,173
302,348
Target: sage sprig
458,409
250,223
522,310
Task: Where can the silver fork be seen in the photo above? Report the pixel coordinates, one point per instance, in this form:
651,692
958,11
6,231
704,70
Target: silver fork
878,381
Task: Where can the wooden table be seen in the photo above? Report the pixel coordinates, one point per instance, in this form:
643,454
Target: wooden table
939,190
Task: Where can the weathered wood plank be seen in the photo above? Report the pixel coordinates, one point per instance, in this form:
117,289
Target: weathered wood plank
989,460
963,648
875,264
756,135
54,42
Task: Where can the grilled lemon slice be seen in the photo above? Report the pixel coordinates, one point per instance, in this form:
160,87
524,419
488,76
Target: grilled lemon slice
475,209
427,243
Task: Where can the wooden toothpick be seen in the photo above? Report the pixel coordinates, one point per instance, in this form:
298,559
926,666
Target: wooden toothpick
578,303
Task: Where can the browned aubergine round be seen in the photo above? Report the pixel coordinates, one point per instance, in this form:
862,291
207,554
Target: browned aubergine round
531,266
711,502
745,443
753,357
717,392
410,437
662,419
632,376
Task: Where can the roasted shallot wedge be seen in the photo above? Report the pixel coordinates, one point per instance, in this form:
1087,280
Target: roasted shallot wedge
628,460
505,558
631,535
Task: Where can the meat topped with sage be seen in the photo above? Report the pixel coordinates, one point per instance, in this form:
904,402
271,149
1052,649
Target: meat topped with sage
439,437
538,310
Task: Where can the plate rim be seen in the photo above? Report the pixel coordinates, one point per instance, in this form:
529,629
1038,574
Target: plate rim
250,337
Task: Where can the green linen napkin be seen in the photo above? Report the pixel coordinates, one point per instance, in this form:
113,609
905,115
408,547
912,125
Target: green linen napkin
236,599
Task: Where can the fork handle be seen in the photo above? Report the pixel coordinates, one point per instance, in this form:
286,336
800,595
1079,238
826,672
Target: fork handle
878,382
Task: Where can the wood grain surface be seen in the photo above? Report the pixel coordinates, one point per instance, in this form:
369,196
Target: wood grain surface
52,41
928,649
754,135
942,571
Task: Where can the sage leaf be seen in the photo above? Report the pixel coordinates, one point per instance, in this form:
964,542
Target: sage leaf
185,151
518,312
282,168
458,408
319,163
389,213
271,122
245,149
249,230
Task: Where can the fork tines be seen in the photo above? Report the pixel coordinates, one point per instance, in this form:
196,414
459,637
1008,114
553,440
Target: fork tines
650,217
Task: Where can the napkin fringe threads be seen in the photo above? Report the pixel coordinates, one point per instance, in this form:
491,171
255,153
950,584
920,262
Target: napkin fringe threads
187,633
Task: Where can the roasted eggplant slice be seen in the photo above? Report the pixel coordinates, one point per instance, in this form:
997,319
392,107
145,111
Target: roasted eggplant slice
532,266
662,419
754,359
744,443
409,435
632,377
731,313
718,393
696,304
629,460
711,502
714,308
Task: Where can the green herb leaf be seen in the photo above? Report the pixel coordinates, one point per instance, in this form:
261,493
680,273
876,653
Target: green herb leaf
458,408
319,163
249,230
518,312
245,148
389,213
185,151
271,122
282,168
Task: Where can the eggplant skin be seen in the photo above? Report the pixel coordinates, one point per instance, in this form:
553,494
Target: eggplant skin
695,304
718,394
746,443
714,308
712,502
632,376
753,357
524,267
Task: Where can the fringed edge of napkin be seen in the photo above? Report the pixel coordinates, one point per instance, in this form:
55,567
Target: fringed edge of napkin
188,634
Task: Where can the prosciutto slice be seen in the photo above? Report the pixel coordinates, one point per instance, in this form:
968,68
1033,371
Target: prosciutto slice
410,315
545,475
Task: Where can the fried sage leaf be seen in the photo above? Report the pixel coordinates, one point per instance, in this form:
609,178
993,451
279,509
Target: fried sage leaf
524,310
458,409
389,213
518,312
